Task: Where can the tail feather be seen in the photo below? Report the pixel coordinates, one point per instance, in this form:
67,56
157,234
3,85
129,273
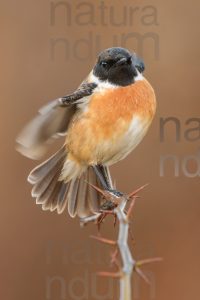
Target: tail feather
57,183
41,171
50,203
45,194
72,203
40,187
83,209
62,198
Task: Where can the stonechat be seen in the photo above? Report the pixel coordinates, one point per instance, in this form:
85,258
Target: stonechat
102,122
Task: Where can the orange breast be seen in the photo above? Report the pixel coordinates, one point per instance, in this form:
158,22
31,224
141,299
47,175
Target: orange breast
107,117
109,106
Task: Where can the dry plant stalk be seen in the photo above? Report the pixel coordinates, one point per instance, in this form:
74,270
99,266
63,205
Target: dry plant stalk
128,264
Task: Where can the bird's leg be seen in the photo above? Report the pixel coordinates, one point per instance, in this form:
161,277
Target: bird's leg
109,187
110,195
103,176
116,193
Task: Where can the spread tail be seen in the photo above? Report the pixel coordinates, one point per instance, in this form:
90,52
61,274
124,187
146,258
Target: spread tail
59,183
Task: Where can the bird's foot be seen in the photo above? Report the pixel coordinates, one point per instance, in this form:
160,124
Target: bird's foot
108,205
111,204
107,208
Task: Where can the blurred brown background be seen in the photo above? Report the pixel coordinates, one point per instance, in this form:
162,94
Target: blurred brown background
46,256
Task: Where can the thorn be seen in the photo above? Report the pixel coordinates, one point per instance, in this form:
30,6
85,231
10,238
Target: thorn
97,189
98,227
137,191
117,264
109,274
134,196
114,256
106,194
100,220
103,240
131,236
133,200
101,217
142,275
148,261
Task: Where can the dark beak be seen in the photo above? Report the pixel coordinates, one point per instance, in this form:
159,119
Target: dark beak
121,61
139,64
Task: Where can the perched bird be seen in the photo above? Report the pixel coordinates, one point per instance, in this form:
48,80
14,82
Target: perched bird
102,122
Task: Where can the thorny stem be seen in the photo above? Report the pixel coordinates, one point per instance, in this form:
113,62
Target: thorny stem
128,263
127,259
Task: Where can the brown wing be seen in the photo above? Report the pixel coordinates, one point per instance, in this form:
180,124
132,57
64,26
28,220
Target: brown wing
51,122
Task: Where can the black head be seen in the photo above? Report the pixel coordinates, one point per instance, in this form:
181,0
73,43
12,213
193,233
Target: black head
118,66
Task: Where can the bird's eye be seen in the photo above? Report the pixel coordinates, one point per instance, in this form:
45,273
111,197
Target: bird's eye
104,64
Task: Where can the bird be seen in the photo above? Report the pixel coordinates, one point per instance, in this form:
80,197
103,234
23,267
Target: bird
101,122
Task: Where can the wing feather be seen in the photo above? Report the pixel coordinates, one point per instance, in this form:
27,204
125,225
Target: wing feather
51,122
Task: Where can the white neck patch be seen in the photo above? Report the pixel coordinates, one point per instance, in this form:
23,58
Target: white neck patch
102,85
139,76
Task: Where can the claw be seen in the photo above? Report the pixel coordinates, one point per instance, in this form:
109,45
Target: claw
114,256
108,207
